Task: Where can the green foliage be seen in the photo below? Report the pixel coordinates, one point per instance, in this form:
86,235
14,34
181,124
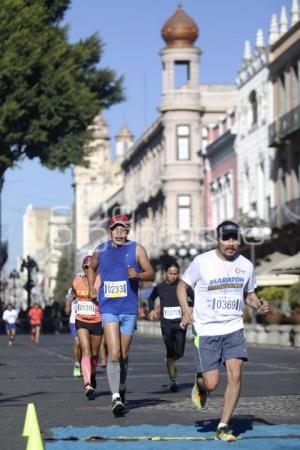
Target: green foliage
273,295
50,90
294,294
65,274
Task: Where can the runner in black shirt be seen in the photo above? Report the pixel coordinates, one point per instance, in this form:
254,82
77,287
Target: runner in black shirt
170,318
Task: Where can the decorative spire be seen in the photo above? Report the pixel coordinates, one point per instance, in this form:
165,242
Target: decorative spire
260,43
247,53
294,12
273,32
283,21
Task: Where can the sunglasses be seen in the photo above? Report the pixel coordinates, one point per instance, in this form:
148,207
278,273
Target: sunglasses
86,266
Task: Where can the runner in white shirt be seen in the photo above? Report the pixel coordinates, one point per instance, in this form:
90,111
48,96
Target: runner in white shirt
10,317
71,308
220,278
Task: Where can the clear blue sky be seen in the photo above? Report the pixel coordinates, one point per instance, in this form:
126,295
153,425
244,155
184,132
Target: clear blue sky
130,30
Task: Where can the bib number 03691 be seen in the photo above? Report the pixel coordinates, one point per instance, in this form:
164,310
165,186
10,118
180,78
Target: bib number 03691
225,305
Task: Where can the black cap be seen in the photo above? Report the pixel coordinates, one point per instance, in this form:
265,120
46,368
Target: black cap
227,230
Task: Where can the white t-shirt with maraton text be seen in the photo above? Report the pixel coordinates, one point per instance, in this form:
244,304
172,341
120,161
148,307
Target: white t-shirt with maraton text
219,287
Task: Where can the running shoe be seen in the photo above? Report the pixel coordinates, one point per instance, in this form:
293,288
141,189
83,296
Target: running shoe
93,380
173,386
77,372
224,434
122,395
117,406
89,390
199,396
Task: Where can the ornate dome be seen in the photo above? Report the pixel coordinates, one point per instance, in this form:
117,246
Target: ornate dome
180,30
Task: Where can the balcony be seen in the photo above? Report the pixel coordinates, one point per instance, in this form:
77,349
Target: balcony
281,129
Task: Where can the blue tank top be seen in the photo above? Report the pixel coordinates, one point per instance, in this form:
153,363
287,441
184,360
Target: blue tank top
117,294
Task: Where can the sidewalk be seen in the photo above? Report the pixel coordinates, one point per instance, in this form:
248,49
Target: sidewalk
279,335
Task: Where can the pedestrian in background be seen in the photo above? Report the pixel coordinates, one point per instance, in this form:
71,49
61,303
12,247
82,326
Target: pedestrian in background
10,316
71,309
35,314
89,329
170,318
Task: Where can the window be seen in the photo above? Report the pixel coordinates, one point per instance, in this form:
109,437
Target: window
253,102
281,90
183,142
295,86
182,73
184,212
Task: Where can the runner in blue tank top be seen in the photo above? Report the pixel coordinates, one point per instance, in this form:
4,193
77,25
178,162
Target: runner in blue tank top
121,264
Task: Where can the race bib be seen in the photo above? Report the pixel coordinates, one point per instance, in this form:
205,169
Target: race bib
86,308
225,304
115,289
172,312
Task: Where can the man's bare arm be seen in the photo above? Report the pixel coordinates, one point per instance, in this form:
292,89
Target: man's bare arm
255,302
91,275
182,295
147,273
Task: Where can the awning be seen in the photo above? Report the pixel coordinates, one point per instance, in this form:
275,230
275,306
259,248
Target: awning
265,265
278,269
281,279
290,265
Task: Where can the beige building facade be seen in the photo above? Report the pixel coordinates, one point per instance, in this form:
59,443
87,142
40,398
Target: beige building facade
157,179
98,188
284,131
46,234
163,172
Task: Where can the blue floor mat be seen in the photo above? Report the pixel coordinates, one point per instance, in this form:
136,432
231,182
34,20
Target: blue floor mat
273,437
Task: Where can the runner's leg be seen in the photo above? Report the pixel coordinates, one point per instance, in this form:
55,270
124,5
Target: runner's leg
37,333
8,335
125,345
85,344
112,337
168,337
76,351
103,353
95,342
13,333
232,391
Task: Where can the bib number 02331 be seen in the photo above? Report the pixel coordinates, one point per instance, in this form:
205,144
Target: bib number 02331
115,289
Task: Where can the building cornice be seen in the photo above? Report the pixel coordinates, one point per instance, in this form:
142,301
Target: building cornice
285,37
142,142
225,139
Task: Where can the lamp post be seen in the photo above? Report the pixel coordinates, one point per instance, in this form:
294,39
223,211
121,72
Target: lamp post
14,275
255,233
184,252
30,265
3,245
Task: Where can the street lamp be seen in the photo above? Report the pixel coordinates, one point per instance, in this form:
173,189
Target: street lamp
30,265
184,252
255,233
14,275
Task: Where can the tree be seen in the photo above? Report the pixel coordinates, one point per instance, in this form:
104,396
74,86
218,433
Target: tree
65,274
273,294
50,90
294,295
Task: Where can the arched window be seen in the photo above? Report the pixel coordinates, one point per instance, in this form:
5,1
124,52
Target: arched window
253,102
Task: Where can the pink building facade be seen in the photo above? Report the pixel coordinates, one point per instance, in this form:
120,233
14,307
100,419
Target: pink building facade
220,174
